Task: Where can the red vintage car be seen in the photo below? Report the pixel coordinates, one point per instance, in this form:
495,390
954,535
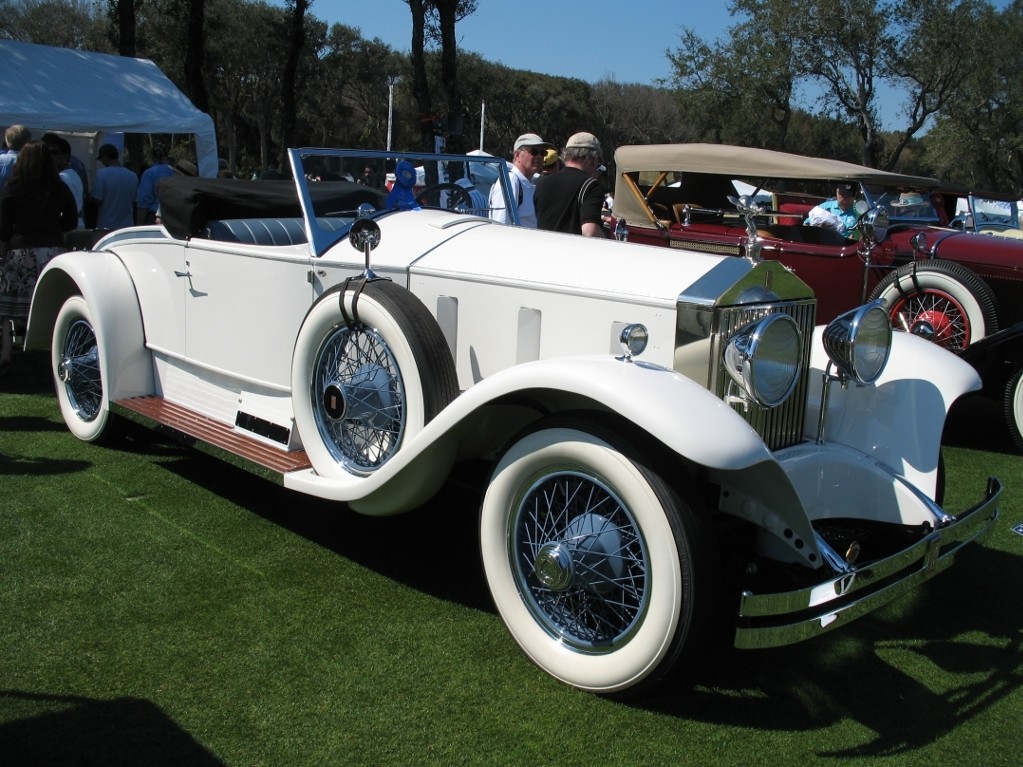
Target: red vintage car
952,285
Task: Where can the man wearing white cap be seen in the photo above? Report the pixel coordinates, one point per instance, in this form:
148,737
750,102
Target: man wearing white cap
527,160
572,200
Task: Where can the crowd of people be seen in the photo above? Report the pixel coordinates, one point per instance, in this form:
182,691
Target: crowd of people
557,192
45,193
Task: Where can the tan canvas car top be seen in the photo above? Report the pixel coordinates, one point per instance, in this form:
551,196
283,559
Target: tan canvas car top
737,162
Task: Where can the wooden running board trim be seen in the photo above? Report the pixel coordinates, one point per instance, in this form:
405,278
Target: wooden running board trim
214,433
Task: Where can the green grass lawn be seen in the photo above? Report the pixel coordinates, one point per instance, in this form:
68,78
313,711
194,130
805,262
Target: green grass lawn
160,607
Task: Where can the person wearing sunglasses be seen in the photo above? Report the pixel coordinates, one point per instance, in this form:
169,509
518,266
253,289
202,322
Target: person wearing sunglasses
527,160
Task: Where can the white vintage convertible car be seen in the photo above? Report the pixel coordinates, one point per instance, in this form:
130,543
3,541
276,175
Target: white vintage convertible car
668,435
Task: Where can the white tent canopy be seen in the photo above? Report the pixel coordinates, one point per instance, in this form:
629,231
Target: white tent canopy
58,89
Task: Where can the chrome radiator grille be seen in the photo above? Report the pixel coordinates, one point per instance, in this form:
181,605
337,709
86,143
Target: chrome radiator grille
783,425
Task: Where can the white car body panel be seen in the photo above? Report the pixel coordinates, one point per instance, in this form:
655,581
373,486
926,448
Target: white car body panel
251,341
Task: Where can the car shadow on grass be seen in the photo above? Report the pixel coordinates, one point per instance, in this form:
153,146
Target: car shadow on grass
433,549
51,730
28,373
909,675
977,422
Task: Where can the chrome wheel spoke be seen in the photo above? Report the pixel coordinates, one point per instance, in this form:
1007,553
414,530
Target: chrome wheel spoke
580,560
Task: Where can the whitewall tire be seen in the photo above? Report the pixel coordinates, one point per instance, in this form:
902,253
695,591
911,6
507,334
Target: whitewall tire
939,300
601,572
364,386
77,372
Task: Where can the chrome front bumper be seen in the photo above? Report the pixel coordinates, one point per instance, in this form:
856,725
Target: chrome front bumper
772,620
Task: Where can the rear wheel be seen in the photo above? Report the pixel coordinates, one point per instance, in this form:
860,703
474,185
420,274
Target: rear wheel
77,372
602,573
941,301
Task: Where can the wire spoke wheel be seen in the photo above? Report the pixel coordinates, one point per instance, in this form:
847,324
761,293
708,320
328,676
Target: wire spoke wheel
934,315
78,370
371,368
604,575
77,365
581,560
940,301
362,413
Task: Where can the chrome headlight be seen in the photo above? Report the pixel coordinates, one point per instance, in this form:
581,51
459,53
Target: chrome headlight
763,358
859,341
874,225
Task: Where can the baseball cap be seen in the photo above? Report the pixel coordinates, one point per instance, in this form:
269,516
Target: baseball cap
531,139
849,189
551,158
583,141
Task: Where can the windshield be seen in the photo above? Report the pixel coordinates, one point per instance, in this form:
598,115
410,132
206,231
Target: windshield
982,211
908,206
404,181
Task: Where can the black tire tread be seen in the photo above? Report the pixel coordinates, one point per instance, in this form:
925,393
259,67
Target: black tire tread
424,336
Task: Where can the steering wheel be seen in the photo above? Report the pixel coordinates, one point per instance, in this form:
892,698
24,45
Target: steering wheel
458,197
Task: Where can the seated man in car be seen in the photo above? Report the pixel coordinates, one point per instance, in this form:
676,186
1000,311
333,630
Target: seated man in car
839,214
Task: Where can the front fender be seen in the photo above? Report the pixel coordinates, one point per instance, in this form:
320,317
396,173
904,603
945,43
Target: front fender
101,279
675,410
898,419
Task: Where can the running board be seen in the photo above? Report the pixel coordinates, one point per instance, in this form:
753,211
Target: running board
210,436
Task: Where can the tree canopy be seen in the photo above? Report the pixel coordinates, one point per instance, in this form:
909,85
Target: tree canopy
797,75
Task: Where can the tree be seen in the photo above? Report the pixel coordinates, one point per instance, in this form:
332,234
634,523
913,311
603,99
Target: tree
123,12
195,55
76,24
435,20
978,135
728,89
847,46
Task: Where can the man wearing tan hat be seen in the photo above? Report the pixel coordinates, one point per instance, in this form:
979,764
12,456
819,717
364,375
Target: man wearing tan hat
571,200
527,160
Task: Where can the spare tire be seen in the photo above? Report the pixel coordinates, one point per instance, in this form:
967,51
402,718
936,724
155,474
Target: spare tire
939,300
368,378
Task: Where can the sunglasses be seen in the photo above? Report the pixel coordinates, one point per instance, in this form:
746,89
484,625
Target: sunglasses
534,151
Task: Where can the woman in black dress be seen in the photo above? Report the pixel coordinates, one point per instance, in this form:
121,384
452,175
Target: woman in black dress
36,208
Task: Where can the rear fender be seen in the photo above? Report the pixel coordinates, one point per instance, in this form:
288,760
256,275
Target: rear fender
101,279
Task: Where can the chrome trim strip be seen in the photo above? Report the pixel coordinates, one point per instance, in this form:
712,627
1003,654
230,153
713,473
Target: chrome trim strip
773,620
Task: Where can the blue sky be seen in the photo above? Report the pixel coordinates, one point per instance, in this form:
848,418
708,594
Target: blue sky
590,40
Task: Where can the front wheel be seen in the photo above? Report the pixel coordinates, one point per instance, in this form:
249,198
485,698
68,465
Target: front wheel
941,301
1013,404
77,372
602,573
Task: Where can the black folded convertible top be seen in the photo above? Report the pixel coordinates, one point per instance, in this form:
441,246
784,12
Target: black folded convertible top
188,204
